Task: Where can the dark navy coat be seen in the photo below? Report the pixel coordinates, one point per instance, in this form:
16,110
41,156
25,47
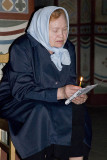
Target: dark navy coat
28,98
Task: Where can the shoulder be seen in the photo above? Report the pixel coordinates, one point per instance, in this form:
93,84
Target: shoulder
69,45
20,49
21,40
24,41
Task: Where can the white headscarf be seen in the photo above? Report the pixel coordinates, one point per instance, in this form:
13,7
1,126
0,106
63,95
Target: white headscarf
39,29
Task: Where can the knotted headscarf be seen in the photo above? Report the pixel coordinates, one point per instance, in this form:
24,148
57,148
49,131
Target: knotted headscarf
39,29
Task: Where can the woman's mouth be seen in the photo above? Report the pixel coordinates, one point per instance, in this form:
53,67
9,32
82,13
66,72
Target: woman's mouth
60,41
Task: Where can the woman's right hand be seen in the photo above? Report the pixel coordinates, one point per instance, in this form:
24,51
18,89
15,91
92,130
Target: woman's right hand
68,90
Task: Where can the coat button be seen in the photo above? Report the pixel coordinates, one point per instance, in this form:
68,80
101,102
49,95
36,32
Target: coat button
56,82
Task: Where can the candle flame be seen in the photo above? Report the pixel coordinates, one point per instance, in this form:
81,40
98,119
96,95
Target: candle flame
81,79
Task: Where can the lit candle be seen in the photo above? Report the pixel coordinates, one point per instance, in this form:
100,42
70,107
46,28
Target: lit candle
81,79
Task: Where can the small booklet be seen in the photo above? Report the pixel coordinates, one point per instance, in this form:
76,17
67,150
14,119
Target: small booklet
80,92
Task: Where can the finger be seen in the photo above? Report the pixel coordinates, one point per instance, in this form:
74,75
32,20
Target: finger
78,103
79,100
74,87
83,95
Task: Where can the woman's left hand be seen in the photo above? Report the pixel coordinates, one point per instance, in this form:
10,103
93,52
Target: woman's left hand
80,99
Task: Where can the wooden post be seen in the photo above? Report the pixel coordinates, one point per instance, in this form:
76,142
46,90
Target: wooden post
0,147
12,151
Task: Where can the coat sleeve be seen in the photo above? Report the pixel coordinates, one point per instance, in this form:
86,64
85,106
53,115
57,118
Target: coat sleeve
21,77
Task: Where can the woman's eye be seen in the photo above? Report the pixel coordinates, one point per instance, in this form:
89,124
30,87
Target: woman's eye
54,30
65,29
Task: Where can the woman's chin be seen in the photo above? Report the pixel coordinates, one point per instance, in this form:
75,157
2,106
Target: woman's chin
59,45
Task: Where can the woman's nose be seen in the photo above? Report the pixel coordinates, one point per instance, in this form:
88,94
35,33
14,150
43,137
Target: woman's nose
61,33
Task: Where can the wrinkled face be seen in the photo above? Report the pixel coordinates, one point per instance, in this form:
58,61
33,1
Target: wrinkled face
58,31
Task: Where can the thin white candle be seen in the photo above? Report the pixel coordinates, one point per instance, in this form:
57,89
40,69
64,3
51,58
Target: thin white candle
81,79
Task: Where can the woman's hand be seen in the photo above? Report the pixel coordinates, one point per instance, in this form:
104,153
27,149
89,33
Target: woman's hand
68,90
80,99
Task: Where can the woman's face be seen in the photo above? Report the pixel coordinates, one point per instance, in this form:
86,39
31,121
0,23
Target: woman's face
58,31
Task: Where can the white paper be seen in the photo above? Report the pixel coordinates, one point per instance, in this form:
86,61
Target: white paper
80,92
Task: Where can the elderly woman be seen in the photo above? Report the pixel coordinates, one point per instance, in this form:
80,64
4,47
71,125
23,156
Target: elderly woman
38,78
